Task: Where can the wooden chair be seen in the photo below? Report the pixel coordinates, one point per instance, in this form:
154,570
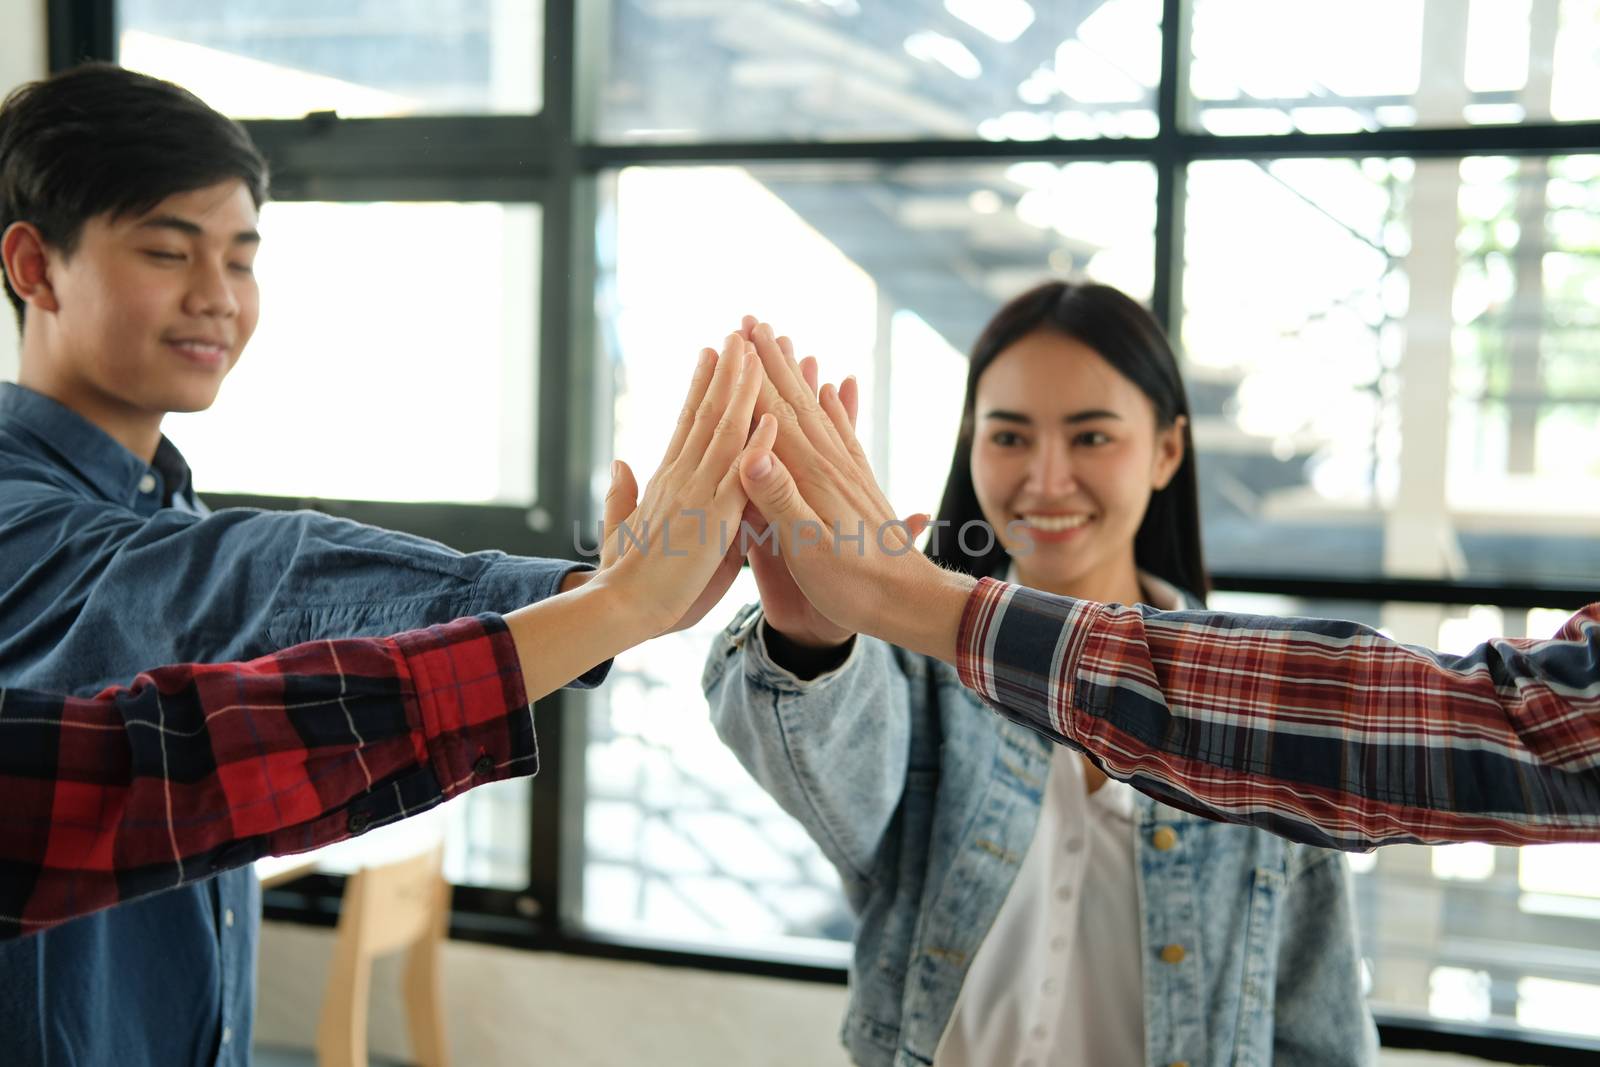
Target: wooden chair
400,905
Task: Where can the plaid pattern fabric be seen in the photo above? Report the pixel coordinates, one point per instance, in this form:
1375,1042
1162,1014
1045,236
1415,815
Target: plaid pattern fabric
1325,732
196,769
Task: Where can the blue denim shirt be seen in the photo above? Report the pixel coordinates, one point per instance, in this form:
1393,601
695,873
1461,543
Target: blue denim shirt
925,801
109,567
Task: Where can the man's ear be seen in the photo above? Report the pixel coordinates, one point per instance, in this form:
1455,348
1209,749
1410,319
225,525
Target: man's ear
1169,452
26,257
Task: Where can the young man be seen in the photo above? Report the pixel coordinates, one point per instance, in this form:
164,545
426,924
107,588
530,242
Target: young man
127,231
1325,732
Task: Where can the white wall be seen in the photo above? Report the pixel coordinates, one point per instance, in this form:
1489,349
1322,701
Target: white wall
22,58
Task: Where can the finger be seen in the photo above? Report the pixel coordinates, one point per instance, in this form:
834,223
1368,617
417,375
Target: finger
733,429
771,488
622,499
786,346
766,432
843,424
746,325
780,366
917,523
704,369
792,390
850,396
714,404
808,370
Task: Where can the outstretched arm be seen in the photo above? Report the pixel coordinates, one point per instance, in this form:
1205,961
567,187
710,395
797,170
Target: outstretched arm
1323,732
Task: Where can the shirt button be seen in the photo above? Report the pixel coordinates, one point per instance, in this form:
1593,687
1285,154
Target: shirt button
1063,892
1173,954
484,767
227,1034
227,918
359,821
1048,986
1039,1033
1058,943
1164,838
147,484
1075,845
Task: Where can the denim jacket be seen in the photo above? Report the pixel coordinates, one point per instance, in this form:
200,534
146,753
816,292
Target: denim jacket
907,783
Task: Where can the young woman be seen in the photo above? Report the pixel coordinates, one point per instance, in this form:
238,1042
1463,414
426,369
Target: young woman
1015,906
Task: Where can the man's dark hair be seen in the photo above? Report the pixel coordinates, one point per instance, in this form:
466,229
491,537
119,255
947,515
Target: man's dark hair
101,140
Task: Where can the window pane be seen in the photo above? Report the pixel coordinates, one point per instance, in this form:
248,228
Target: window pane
1372,64
887,273
1393,367
361,58
370,378
858,69
1472,932
485,835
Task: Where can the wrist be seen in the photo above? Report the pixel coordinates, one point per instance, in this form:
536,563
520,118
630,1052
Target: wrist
633,619
922,610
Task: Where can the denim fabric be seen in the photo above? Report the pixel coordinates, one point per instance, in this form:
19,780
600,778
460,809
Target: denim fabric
109,567
925,801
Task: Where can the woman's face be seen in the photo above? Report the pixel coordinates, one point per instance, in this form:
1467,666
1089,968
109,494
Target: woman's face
1065,455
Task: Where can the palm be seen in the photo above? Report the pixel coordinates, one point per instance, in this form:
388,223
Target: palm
788,610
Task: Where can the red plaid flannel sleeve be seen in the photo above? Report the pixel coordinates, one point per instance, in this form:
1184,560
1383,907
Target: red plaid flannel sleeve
194,769
1322,731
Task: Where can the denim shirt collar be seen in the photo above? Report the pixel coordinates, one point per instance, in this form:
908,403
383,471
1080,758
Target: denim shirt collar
109,468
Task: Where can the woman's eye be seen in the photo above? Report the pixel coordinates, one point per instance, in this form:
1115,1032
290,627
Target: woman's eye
158,253
1006,438
1093,438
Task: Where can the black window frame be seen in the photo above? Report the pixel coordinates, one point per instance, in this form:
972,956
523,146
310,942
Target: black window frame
547,158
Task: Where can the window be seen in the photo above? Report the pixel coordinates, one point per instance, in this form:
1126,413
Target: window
360,58
407,357
1394,374
1379,64
812,70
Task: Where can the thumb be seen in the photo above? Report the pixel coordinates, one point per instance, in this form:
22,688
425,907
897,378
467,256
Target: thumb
621,501
771,488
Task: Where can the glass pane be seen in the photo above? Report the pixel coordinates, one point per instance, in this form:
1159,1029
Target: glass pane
372,379
1373,64
361,58
887,273
485,835
858,69
1472,932
1393,366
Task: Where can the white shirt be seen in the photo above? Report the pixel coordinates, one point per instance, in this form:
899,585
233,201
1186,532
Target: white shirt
1059,979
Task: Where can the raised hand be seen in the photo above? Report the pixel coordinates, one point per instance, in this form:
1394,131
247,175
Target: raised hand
850,556
785,608
675,553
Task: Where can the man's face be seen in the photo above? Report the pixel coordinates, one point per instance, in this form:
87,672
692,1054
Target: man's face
153,310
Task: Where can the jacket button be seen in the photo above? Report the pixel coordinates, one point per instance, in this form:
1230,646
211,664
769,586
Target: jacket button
1164,838
1173,954
484,767
359,821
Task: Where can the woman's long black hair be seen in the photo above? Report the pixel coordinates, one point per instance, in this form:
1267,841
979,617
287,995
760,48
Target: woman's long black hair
1126,336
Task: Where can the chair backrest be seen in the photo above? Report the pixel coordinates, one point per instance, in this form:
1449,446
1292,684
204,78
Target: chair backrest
400,905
